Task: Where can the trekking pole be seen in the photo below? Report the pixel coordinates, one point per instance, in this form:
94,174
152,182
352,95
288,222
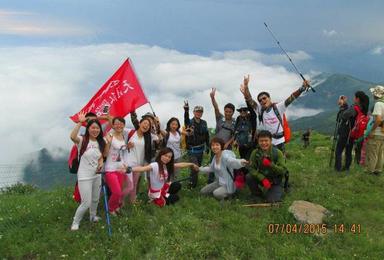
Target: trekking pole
333,144
289,58
106,208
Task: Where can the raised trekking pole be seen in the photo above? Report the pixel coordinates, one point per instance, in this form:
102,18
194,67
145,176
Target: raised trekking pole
286,54
106,208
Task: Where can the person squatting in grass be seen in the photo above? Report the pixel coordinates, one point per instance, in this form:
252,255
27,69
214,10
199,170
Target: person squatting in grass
222,165
267,169
162,191
268,119
91,146
119,184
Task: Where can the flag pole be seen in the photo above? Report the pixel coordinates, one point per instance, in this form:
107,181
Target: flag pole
138,79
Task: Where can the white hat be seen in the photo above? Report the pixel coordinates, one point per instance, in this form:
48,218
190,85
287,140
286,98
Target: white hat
377,91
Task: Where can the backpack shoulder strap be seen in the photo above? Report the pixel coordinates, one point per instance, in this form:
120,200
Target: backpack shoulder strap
131,133
230,174
83,147
277,113
275,155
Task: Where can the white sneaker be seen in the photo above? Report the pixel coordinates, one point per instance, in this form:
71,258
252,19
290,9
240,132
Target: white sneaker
74,227
95,219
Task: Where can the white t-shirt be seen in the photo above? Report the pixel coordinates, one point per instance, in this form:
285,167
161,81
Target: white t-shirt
116,155
135,155
89,160
378,110
174,142
271,123
157,181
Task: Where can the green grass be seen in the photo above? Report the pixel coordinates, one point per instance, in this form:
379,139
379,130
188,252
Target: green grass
35,225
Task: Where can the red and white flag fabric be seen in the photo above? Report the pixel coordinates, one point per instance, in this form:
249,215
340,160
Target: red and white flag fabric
122,93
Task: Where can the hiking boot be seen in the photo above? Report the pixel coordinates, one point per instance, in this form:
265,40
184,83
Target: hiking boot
74,227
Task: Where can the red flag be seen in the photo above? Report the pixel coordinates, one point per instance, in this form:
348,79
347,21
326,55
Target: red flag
122,93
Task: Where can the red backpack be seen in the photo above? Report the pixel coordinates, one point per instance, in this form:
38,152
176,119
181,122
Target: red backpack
361,122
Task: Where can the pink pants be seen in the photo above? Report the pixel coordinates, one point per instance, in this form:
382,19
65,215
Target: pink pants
132,193
120,185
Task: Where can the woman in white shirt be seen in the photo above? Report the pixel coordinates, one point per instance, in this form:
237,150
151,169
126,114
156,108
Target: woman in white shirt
118,183
172,139
91,147
139,152
161,190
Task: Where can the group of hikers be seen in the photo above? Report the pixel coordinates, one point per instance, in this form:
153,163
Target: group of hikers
361,130
125,155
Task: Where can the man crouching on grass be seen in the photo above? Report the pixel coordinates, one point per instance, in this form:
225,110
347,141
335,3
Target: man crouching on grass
267,169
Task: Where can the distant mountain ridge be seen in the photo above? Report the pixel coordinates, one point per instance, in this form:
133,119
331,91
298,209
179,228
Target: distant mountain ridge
46,170
329,89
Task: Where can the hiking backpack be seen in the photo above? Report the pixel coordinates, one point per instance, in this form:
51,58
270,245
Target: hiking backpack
75,155
361,122
282,121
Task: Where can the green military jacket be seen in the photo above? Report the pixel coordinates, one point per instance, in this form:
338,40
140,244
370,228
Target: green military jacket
277,169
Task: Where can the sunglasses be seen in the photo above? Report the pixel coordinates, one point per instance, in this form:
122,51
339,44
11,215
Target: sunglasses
243,110
262,98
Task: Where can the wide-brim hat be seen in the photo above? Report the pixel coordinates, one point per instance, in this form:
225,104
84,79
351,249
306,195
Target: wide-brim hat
377,91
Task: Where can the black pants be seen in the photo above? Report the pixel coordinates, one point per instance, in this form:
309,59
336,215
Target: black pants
274,194
173,190
211,175
195,158
358,147
281,147
347,144
245,151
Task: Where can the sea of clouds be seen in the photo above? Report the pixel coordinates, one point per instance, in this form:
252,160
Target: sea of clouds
42,86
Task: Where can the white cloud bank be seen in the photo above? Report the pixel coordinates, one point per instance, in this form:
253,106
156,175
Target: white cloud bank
329,33
42,86
379,50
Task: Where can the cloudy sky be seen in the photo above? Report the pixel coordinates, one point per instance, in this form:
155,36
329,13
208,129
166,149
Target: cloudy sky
55,54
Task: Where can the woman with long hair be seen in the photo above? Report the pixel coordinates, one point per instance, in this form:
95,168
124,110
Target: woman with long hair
91,147
172,139
139,152
348,121
162,191
361,106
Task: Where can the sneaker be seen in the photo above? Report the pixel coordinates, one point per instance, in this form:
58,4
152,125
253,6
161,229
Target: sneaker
74,227
94,219
113,213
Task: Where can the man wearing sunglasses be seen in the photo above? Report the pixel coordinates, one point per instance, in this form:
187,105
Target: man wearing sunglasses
270,112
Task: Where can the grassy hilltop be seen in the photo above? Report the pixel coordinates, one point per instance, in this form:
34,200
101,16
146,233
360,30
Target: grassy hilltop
34,224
